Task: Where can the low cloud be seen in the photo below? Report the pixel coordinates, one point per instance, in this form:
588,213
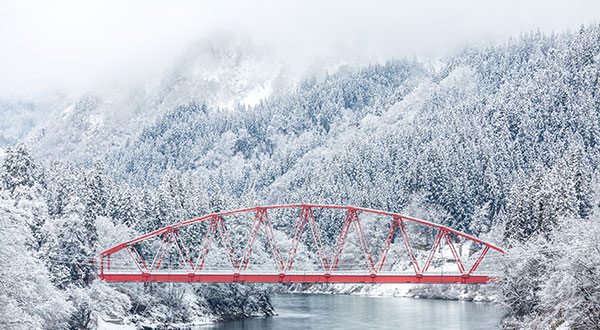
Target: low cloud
76,46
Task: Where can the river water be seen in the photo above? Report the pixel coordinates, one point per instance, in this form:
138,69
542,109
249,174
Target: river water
320,311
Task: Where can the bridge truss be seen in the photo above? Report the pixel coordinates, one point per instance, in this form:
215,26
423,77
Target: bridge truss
293,249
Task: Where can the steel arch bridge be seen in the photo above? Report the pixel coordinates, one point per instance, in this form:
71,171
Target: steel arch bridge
182,252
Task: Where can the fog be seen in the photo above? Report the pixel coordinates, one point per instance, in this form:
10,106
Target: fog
77,46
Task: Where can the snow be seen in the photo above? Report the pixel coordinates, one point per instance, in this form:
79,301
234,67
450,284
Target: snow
500,142
96,121
258,94
68,110
104,325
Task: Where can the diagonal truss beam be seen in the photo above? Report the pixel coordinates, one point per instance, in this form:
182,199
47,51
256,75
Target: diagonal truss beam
227,244
217,225
137,259
476,264
398,224
352,219
306,216
342,238
409,248
268,227
455,255
434,248
183,253
262,218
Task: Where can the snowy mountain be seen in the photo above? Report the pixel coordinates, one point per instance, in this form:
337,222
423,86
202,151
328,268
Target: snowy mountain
222,72
500,141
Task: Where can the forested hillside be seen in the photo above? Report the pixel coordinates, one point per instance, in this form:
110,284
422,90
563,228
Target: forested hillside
457,140
500,141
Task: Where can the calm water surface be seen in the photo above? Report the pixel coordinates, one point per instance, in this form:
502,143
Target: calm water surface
310,311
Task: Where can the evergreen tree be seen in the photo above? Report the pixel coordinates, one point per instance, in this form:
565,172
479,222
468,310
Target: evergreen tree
580,171
72,246
19,169
23,179
29,299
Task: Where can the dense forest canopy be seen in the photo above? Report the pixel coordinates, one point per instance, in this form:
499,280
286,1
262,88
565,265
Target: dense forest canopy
457,139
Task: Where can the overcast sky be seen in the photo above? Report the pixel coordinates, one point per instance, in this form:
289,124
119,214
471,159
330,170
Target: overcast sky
74,46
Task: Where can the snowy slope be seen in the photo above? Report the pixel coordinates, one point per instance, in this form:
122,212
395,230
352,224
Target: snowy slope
220,72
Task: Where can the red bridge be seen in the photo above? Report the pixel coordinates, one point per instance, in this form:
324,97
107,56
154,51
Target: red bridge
367,246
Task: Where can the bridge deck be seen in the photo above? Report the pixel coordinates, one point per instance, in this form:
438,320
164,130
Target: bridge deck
294,278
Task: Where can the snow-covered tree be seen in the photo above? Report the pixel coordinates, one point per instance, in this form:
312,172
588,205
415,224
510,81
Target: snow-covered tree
71,246
23,179
29,299
19,169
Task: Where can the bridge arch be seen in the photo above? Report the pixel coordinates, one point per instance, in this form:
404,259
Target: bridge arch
388,229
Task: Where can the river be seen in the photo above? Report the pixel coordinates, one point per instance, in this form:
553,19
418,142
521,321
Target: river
321,311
